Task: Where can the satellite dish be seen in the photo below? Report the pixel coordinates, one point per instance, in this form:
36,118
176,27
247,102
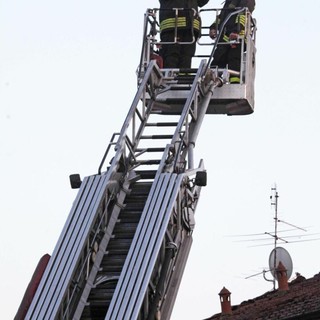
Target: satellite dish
280,254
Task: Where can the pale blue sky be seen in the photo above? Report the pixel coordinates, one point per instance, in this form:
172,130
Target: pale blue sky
67,79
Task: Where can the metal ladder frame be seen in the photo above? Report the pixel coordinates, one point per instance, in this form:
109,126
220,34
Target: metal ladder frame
69,266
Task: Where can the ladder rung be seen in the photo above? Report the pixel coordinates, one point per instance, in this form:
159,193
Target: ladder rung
148,162
162,124
173,88
162,136
187,71
146,174
150,149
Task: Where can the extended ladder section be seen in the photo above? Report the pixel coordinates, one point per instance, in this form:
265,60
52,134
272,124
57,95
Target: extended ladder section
123,249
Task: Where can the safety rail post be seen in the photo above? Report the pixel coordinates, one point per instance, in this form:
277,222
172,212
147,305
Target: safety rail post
150,31
152,75
107,152
220,33
186,112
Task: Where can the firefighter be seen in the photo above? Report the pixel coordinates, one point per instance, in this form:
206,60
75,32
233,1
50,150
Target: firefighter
188,24
230,55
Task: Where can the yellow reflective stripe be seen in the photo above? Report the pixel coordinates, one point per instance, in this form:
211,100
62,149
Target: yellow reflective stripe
173,22
180,22
225,38
241,19
234,80
196,24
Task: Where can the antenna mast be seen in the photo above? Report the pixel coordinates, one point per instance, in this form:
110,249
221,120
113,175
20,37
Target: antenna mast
274,202
279,253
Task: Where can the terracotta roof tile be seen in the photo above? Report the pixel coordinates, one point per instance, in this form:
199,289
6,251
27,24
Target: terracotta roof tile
302,299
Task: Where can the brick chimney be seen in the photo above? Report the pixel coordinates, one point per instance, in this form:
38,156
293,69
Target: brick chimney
225,301
282,277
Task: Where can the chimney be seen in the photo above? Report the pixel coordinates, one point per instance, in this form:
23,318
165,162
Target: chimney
282,277
225,301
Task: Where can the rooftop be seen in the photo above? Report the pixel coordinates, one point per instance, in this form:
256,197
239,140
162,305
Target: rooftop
300,302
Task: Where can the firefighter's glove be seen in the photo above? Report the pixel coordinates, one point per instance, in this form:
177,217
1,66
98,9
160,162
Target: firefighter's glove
233,36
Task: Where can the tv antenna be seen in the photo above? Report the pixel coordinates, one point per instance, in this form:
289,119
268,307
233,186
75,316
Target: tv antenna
278,253
274,202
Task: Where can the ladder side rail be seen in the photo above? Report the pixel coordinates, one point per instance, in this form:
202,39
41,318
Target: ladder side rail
152,76
195,128
85,240
184,237
98,259
174,241
53,258
150,249
59,249
105,221
88,232
147,80
75,247
172,287
155,189
164,260
136,134
147,100
188,104
138,239
139,257
138,128
192,116
181,141
196,125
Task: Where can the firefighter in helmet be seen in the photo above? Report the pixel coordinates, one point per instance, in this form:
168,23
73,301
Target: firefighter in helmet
230,55
185,24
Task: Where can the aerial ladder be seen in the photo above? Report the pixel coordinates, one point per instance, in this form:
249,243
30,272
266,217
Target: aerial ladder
125,244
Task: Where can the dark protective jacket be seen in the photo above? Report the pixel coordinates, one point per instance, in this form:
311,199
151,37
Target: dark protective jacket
236,23
186,18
